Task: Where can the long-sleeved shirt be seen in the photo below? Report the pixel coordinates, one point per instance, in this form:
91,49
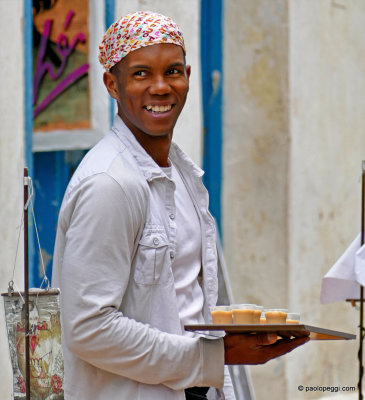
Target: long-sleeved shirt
115,243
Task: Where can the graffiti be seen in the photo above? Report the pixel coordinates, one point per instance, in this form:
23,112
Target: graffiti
64,50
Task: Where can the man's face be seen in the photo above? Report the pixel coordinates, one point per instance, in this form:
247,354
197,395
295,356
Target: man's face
150,85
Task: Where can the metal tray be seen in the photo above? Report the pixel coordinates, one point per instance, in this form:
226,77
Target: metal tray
283,330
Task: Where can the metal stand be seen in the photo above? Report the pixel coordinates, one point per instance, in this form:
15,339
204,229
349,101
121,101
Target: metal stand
26,286
361,300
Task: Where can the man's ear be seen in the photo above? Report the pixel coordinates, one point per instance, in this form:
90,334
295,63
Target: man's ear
111,85
188,71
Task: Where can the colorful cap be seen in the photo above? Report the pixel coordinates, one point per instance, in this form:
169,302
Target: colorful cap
140,29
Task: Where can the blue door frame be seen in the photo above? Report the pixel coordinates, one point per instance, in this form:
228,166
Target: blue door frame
212,84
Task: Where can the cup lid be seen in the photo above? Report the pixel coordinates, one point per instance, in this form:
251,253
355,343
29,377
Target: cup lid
244,306
220,308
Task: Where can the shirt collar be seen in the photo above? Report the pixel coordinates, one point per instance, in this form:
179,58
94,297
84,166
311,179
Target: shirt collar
183,161
148,166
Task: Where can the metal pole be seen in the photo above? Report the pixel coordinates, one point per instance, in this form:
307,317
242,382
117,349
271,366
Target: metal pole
26,287
361,368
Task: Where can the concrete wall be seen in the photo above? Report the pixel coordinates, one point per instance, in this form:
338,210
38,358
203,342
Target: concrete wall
11,165
256,149
327,121
293,144
188,130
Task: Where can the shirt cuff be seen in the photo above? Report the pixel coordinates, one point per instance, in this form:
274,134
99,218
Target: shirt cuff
212,362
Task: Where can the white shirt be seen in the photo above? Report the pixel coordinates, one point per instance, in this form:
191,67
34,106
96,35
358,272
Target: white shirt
186,265
115,243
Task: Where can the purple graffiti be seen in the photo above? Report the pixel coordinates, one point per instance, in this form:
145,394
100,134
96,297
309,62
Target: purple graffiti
64,50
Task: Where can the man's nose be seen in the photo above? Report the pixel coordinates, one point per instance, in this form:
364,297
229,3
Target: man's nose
159,86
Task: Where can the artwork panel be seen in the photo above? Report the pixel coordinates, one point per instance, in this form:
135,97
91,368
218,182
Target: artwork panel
46,358
60,63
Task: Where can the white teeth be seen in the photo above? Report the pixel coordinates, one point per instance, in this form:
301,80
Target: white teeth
159,109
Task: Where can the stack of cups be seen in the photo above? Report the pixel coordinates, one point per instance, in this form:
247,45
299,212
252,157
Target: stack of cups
246,314
221,315
293,318
275,315
242,314
252,314
279,316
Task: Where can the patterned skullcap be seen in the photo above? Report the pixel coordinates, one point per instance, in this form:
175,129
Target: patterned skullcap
140,29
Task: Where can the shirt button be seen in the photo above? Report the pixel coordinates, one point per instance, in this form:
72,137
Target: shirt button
172,255
172,216
156,241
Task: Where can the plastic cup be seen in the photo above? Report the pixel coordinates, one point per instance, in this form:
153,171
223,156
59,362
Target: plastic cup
293,318
257,314
276,315
262,318
221,315
243,314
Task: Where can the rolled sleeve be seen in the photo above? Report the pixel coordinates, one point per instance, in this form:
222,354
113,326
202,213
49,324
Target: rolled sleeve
213,362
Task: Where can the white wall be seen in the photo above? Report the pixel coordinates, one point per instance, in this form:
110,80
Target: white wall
186,13
327,110
255,158
11,164
294,120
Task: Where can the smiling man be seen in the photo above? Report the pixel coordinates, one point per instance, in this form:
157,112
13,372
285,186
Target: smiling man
135,254
150,86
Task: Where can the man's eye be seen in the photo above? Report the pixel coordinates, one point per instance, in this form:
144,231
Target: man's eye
173,71
140,73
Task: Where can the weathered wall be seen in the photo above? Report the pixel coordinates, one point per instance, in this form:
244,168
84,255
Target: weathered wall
327,121
11,164
188,130
293,144
255,162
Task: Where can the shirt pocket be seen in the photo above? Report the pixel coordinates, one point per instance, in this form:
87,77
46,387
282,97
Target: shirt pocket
151,258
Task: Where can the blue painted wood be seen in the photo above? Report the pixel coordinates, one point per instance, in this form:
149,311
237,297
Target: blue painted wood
52,170
109,19
109,12
28,117
212,84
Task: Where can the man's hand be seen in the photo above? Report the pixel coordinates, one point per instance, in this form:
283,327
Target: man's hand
257,349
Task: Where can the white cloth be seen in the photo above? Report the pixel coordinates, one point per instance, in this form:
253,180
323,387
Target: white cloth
121,332
343,280
186,265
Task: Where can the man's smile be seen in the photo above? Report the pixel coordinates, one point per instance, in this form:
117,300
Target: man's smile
158,108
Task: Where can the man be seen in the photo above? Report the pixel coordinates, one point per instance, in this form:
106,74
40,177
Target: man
135,253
